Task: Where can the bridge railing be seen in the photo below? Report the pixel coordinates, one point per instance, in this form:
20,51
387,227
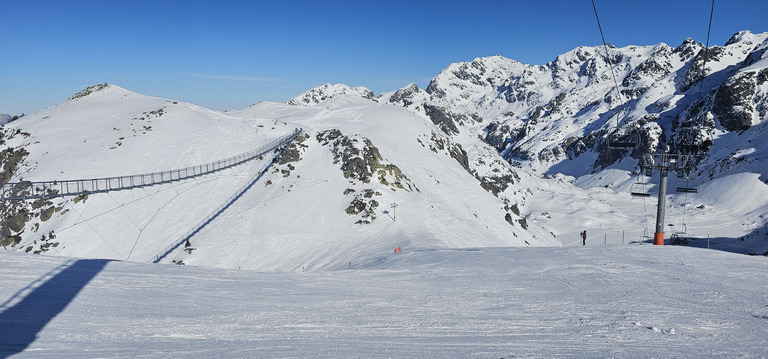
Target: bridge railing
45,189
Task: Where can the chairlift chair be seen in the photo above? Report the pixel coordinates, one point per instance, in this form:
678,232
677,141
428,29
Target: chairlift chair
638,189
686,164
695,140
640,194
687,188
678,239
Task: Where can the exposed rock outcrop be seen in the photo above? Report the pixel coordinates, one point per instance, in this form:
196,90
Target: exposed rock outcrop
733,102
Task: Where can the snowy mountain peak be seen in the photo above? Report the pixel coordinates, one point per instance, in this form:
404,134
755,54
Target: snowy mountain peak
576,56
329,91
465,85
406,96
92,89
740,36
480,72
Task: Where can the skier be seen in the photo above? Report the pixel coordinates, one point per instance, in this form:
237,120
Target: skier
583,235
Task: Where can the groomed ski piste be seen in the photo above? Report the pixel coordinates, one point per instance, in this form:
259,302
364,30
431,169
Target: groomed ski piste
638,301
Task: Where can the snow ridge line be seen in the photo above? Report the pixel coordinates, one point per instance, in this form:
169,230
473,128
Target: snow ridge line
19,191
166,251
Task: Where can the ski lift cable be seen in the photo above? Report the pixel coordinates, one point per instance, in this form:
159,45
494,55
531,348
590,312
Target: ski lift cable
706,50
610,64
685,201
701,86
645,206
645,212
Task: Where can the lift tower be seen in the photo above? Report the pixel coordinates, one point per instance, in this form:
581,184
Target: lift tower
681,159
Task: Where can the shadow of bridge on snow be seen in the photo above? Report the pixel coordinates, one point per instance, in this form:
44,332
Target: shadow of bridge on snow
21,323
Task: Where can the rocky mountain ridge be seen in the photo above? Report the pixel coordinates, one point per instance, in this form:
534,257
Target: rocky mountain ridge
542,116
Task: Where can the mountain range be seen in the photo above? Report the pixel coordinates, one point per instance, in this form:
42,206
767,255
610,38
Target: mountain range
493,153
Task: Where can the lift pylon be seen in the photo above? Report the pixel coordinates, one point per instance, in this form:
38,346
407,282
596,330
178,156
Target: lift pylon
679,163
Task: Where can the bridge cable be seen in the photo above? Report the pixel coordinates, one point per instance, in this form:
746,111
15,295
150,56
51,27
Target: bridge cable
148,222
97,232
147,195
246,176
141,230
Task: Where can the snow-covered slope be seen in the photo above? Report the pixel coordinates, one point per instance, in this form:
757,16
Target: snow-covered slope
107,131
363,179
493,153
332,201
597,302
111,132
557,119
328,91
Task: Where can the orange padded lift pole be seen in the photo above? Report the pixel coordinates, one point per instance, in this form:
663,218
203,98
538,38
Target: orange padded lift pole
658,239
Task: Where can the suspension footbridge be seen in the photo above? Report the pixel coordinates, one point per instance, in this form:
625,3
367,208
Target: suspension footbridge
30,190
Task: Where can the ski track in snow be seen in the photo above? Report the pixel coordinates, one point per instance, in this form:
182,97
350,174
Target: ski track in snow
598,301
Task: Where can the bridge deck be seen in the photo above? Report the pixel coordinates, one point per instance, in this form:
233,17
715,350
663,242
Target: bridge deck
16,191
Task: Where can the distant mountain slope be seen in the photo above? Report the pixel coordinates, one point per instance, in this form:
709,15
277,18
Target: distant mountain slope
328,91
540,116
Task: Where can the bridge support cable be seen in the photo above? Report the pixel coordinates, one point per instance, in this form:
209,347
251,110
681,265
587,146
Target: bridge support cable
168,250
96,231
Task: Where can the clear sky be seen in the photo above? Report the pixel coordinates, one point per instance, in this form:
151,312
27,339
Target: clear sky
225,54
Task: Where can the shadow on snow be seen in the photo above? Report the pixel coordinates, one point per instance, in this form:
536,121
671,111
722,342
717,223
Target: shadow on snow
48,296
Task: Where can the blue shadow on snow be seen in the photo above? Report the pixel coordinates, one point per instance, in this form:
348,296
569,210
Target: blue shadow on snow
21,323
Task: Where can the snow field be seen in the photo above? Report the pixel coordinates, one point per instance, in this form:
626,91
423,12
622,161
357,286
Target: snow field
595,301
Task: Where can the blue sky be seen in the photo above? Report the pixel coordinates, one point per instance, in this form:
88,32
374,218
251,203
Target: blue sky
230,54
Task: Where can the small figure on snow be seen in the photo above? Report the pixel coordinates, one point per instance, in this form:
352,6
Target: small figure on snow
187,245
583,235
